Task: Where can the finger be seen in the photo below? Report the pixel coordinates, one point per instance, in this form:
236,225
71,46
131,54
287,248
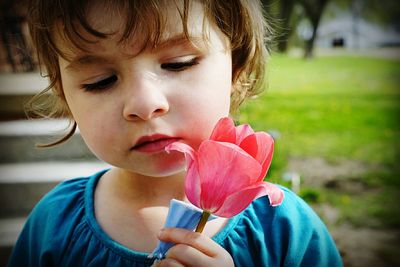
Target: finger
182,236
168,262
187,255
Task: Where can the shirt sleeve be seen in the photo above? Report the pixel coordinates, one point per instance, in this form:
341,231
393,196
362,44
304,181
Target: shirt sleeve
289,235
29,249
48,229
33,246
306,239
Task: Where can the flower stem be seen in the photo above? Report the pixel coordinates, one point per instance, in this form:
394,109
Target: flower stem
203,221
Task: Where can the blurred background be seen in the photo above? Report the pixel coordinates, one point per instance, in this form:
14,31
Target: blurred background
332,105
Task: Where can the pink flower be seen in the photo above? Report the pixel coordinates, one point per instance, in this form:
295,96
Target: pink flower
226,173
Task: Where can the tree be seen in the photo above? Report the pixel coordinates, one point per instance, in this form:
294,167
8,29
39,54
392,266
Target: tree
386,13
284,19
13,39
282,13
313,9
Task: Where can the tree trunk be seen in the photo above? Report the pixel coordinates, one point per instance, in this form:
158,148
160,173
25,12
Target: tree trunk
285,14
281,11
309,46
314,10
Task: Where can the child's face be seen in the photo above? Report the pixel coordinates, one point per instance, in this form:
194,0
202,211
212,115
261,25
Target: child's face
118,95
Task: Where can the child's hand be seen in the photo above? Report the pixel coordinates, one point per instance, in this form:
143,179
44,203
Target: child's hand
193,249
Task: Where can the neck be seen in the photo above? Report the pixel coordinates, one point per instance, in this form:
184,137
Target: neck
129,203
145,191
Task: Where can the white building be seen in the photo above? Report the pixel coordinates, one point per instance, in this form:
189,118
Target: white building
349,31
355,33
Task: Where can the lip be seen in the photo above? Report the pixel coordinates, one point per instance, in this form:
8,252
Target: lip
153,143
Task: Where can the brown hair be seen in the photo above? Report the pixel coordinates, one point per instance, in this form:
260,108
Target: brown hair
241,21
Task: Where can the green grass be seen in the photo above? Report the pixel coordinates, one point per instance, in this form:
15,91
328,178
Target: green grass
337,108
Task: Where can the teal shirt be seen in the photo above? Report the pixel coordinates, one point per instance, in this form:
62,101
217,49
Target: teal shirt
62,231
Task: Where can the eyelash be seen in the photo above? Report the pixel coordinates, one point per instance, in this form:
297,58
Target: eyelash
100,85
109,81
180,66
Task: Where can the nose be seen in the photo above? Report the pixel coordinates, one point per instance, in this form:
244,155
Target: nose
145,98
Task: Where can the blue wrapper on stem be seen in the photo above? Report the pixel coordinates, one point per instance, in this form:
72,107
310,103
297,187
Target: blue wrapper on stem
180,215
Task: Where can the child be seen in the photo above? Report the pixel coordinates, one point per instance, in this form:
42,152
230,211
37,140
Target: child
135,76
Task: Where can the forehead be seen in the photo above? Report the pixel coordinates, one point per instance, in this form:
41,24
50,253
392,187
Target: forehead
142,26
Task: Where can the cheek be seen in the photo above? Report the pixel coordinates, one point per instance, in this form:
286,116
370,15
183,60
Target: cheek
206,100
213,87
95,122
98,136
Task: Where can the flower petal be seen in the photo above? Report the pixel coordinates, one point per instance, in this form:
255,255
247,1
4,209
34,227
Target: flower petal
224,169
224,131
275,194
260,146
237,202
192,181
242,131
184,148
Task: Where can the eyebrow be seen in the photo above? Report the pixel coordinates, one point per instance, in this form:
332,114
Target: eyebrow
87,60
180,39
93,59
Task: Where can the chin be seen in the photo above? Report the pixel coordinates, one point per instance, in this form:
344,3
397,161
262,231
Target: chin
172,165
169,173
169,168
165,172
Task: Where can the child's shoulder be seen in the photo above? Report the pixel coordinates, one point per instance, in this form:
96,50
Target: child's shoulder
52,226
292,221
292,230
65,195
290,218
292,205
294,215
66,198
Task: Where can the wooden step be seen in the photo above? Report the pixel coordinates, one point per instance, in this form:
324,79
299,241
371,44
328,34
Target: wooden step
22,185
18,140
15,90
9,232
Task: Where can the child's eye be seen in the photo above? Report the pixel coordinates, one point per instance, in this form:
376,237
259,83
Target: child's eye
100,85
180,65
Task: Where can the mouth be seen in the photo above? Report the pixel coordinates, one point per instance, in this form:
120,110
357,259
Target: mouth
153,143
